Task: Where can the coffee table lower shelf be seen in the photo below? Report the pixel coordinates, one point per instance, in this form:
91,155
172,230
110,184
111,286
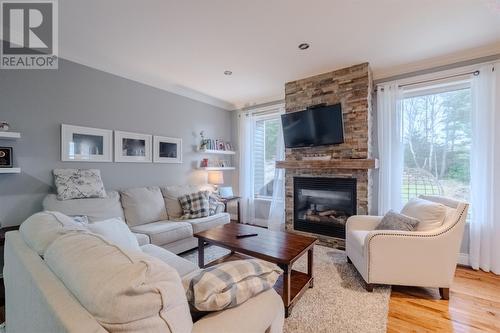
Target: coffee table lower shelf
299,283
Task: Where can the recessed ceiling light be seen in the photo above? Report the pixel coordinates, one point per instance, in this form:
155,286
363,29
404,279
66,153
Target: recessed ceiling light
228,73
304,46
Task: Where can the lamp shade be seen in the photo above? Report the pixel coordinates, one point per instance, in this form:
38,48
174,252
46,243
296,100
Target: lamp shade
215,177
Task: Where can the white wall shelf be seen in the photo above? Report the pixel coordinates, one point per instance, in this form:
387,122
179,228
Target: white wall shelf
10,170
10,135
214,151
217,168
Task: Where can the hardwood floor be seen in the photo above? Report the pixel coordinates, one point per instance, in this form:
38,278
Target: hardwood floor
474,306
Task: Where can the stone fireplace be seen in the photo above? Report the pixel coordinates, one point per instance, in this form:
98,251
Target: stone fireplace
351,163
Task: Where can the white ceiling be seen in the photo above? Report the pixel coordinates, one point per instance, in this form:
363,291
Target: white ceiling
184,46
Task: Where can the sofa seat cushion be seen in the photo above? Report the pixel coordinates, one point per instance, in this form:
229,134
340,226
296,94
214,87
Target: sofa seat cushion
358,237
125,291
181,265
209,222
143,205
96,209
164,232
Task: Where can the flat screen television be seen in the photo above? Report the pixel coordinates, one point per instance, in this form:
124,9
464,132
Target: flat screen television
313,127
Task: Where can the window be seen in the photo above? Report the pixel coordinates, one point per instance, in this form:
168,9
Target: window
265,151
437,141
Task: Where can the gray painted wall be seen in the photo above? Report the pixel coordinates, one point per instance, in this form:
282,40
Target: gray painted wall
37,102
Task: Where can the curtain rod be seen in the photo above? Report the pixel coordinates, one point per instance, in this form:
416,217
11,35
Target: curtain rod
475,73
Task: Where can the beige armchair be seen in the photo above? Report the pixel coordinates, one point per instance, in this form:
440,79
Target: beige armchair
408,258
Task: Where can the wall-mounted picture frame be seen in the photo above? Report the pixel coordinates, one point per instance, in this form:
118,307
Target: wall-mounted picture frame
133,147
86,144
6,157
167,150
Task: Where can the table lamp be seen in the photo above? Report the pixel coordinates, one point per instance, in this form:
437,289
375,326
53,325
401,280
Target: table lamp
215,178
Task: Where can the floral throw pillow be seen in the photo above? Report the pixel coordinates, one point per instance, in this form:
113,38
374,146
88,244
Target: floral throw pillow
216,206
195,205
78,184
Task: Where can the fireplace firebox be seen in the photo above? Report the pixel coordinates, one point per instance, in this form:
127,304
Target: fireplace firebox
323,205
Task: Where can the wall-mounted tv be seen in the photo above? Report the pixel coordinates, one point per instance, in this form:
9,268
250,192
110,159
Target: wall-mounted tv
313,127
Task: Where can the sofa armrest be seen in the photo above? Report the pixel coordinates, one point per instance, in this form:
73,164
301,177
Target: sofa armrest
362,222
263,313
426,258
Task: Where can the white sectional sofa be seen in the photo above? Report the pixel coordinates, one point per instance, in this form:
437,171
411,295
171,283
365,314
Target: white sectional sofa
63,280
152,213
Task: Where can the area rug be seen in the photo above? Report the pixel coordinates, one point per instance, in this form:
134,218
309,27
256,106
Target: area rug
337,303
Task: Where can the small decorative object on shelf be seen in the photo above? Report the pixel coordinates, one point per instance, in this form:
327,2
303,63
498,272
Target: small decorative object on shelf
215,163
5,157
316,157
4,126
213,144
203,143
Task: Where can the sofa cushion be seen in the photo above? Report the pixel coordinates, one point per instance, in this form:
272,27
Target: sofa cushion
96,209
195,205
229,284
430,214
117,232
78,183
208,222
181,265
172,193
164,232
143,205
125,291
41,229
395,221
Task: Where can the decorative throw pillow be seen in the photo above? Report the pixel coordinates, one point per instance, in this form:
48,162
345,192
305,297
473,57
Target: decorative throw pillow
78,184
195,205
81,219
216,206
396,221
117,232
229,284
431,214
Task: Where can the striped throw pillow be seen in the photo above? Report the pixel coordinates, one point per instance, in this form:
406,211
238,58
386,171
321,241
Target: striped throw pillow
195,205
229,284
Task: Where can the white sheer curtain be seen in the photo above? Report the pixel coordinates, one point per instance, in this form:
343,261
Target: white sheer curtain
484,250
277,208
389,121
246,165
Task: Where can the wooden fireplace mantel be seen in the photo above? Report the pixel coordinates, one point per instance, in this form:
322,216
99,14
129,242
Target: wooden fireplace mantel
358,164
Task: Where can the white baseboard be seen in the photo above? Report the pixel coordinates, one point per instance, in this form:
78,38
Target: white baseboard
463,259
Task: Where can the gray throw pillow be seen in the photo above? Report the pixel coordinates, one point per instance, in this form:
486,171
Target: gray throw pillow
78,184
396,221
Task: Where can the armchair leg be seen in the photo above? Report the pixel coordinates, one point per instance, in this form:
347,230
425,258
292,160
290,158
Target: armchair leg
369,287
349,260
445,293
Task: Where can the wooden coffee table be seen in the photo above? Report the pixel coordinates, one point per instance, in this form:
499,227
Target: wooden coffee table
281,248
